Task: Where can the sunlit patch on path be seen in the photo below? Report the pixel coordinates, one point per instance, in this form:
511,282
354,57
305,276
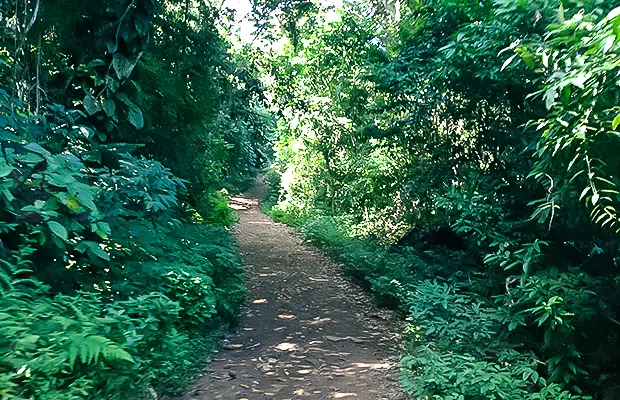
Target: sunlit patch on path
305,332
240,203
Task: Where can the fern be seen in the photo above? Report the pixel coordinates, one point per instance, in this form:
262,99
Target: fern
90,348
5,281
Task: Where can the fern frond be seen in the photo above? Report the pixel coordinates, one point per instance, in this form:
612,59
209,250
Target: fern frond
5,281
27,282
90,348
22,271
79,314
9,266
64,322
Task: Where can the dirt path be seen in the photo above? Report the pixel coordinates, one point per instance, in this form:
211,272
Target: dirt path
305,332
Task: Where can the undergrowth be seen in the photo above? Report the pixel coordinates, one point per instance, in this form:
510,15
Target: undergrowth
460,159
108,288
458,343
153,329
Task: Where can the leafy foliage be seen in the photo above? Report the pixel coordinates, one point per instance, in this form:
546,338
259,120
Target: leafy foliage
445,155
109,286
91,306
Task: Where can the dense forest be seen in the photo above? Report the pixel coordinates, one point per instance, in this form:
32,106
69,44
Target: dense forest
458,157
123,126
461,158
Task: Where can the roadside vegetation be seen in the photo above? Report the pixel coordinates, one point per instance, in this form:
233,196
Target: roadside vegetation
460,159
123,127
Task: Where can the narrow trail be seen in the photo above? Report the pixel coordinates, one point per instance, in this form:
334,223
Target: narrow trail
305,332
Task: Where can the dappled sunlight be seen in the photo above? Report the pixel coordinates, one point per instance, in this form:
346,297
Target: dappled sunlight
286,346
243,200
241,203
373,365
259,301
319,320
344,395
261,222
286,316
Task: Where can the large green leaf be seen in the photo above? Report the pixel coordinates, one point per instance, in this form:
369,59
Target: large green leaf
135,117
36,148
85,194
90,105
94,249
616,122
109,107
7,136
122,65
5,169
58,230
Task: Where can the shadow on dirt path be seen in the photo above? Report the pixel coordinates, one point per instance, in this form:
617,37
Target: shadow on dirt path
305,332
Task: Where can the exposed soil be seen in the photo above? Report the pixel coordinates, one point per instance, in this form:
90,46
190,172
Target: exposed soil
306,331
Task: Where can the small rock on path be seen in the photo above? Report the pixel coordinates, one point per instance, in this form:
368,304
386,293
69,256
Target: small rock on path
306,332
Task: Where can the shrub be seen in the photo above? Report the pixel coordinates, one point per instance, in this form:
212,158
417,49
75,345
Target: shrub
104,292
213,208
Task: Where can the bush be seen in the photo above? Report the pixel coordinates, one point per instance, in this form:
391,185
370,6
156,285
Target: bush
447,375
458,343
105,292
213,208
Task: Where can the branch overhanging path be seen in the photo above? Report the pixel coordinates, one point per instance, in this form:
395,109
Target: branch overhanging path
305,331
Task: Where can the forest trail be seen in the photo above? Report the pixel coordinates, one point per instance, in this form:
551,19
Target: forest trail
305,331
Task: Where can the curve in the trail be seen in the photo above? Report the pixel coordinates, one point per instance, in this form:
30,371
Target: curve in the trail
306,332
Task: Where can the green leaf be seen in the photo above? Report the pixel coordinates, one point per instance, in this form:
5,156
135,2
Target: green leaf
580,133
613,13
62,179
5,169
58,230
96,63
92,248
73,204
109,107
122,65
99,253
85,194
135,117
566,92
507,62
90,105
6,136
615,122
579,81
37,149
549,97
123,97
528,59
102,229
111,83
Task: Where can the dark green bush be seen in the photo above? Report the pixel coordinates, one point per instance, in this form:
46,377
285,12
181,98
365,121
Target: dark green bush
105,293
